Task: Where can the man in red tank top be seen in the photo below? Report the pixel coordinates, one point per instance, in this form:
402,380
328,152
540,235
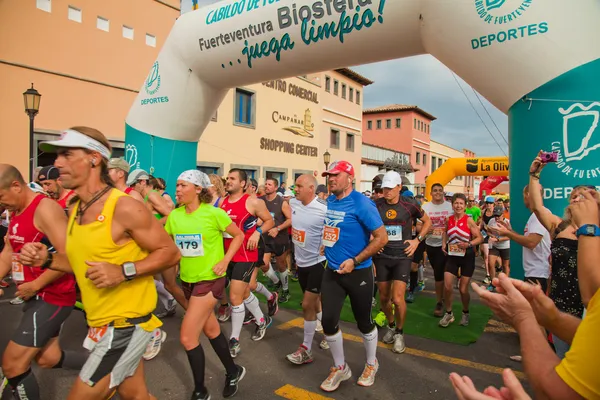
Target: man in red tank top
48,179
49,295
244,210
118,171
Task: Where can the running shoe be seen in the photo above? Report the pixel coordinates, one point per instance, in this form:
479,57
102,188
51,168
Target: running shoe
447,320
234,347
224,313
367,378
285,296
399,345
294,276
3,383
200,396
324,345
487,280
232,382
336,376
439,310
300,356
249,319
410,297
261,329
319,327
4,284
464,320
388,338
421,286
273,304
155,344
16,301
170,311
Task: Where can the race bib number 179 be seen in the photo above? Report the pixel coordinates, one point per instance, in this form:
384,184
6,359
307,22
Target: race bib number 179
190,245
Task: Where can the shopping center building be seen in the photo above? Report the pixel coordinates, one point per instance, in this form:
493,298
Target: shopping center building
89,59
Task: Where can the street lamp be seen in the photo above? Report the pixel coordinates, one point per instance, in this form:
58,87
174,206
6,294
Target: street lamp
31,97
326,160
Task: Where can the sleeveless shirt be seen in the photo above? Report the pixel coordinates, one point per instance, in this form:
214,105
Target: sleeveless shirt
458,230
275,207
246,222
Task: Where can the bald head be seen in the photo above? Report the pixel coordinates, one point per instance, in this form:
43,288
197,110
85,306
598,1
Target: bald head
8,175
306,186
308,180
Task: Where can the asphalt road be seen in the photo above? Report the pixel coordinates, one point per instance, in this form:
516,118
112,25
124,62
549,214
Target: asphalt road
420,373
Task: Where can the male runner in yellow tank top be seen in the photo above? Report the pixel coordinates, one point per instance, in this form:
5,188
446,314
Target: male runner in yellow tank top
114,247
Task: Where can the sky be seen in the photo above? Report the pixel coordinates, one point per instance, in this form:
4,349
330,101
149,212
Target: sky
425,82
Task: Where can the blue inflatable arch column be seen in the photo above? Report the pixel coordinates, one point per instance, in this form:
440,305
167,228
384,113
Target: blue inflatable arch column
536,60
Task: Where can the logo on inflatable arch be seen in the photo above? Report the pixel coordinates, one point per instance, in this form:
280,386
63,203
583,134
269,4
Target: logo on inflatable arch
498,12
580,137
131,156
153,81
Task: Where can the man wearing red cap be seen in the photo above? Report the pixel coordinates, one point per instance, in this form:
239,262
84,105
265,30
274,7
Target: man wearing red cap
350,222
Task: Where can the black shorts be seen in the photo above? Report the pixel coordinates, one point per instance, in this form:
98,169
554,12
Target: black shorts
504,254
466,264
41,322
419,253
310,278
240,271
437,259
261,252
542,281
390,269
201,289
276,248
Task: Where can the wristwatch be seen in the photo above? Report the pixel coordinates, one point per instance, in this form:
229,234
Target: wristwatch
48,262
129,270
355,261
588,230
420,238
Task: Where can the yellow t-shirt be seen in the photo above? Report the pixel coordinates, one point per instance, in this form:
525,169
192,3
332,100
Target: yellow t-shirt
580,369
93,242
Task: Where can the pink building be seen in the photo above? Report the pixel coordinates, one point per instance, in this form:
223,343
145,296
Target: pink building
402,128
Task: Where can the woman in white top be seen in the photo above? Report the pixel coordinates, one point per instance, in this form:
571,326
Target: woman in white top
499,245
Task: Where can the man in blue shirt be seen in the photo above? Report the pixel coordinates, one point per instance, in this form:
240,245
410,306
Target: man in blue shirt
352,234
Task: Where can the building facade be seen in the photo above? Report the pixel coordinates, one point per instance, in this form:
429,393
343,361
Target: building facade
89,59
404,129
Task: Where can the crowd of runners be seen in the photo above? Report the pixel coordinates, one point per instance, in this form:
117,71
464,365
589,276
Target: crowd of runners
90,234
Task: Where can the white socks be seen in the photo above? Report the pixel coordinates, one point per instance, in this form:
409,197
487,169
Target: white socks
237,320
336,344
272,275
284,280
370,341
421,272
254,307
260,288
309,333
320,316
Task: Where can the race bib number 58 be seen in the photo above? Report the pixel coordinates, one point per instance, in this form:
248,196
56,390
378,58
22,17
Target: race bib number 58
331,234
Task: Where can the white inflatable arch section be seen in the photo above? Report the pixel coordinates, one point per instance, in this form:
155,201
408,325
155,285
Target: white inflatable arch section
536,60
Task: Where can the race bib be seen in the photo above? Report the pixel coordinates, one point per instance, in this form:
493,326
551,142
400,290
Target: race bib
94,336
394,232
18,272
437,233
331,234
454,250
190,245
298,237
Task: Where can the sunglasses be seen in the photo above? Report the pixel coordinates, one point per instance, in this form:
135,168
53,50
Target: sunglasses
592,187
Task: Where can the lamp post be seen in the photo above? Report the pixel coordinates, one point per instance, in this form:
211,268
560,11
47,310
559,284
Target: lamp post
326,160
468,190
31,97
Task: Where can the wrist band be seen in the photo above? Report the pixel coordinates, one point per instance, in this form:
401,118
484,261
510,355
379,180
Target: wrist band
535,175
259,230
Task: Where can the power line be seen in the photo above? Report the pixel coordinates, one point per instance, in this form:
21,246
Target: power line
476,112
488,114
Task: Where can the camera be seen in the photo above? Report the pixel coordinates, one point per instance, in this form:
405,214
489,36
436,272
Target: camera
549,157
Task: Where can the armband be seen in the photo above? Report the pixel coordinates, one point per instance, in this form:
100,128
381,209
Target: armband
259,230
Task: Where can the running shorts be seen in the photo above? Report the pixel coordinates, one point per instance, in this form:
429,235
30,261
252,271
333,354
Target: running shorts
310,278
504,254
275,248
419,253
240,271
41,322
390,269
437,259
465,264
201,289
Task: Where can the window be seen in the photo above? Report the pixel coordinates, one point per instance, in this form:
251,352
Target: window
102,24
214,117
415,124
349,142
334,139
398,122
74,14
351,95
421,126
327,84
424,159
388,124
418,158
127,32
369,125
336,86
427,128
440,162
44,5
343,90
150,40
244,107
280,176
433,163
357,97
208,170
378,124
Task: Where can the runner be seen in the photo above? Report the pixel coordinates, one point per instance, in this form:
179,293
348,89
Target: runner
461,235
48,179
49,295
276,239
118,170
244,211
197,228
487,216
141,182
308,214
393,262
499,245
161,186
114,247
351,220
438,211
322,192
473,210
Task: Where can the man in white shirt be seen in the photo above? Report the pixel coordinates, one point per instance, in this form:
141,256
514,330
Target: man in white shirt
308,216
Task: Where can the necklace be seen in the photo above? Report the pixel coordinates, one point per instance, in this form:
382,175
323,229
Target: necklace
94,199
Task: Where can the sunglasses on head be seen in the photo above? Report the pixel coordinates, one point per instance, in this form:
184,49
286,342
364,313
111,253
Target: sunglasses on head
592,187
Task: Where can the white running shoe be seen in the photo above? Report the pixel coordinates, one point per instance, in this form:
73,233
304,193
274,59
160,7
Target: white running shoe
16,301
446,320
464,320
399,345
319,327
367,378
388,338
336,376
324,345
155,344
300,356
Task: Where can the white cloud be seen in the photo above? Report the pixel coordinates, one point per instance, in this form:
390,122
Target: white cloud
425,82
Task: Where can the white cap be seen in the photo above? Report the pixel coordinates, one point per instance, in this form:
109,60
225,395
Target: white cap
391,179
36,188
137,175
288,193
76,140
195,177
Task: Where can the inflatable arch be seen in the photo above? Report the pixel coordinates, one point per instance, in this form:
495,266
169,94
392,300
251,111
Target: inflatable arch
453,167
536,60
487,185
